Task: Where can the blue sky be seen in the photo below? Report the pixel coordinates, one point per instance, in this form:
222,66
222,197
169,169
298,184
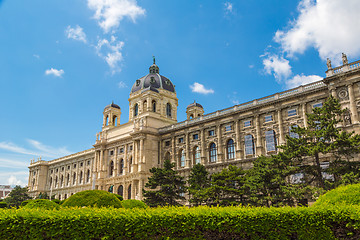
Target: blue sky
62,62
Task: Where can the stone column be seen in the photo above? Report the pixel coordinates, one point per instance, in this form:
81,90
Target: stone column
304,115
174,152
353,108
141,186
238,140
116,162
101,165
259,147
219,144
203,147
187,150
281,128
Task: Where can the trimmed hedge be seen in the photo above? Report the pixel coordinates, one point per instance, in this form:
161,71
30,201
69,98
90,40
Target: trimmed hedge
92,198
131,203
41,204
3,205
341,222
349,194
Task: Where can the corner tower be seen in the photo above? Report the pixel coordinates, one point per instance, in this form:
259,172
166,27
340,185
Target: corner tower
112,113
153,95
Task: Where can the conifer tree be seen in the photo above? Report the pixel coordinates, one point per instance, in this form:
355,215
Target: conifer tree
165,186
198,181
17,196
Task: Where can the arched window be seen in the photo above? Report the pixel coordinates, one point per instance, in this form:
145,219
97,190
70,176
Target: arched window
136,110
270,139
111,189
154,106
249,145
129,192
88,176
130,163
291,132
121,170
56,181
67,179
107,120
196,155
191,116
144,106
50,182
115,120
213,152
111,170
61,181
65,196
182,158
74,178
168,109
121,190
81,177
167,156
230,149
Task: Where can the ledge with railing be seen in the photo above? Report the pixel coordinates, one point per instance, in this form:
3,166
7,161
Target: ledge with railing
342,69
241,107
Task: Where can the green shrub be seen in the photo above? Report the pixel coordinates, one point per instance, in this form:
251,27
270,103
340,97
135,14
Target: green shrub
330,222
56,200
130,203
42,204
23,203
119,197
3,205
93,198
349,194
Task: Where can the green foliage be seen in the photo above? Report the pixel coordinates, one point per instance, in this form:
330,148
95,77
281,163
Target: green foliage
227,187
17,196
3,205
349,195
331,222
119,197
41,204
166,186
23,203
131,203
93,198
56,200
198,181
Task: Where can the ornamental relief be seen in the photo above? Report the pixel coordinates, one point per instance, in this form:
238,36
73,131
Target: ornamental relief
343,93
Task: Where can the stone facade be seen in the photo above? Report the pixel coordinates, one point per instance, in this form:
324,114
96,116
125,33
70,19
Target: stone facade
123,154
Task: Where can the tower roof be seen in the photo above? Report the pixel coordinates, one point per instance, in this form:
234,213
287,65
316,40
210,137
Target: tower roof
153,81
113,105
194,104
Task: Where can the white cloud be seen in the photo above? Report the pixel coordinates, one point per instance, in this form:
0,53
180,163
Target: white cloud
110,51
36,56
329,26
278,66
228,7
55,72
76,33
5,163
298,80
121,84
39,149
12,180
109,13
199,88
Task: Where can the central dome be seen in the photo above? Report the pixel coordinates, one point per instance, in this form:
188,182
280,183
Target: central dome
153,81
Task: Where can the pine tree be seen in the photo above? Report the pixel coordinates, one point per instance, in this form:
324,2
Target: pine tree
198,181
321,138
165,186
17,196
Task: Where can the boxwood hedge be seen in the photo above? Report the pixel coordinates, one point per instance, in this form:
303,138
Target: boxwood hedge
332,222
92,198
349,194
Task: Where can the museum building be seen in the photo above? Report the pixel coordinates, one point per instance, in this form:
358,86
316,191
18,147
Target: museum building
123,154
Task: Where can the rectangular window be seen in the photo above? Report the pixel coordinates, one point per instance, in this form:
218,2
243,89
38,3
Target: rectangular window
167,143
249,145
317,105
121,150
292,112
211,133
196,136
270,139
68,167
88,162
228,128
247,123
291,133
130,148
111,152
181,140
268,118
81,164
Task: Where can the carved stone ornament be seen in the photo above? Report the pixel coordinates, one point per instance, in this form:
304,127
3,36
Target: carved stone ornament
343,93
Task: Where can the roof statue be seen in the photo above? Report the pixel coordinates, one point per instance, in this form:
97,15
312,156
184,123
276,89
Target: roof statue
344,59
328,63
